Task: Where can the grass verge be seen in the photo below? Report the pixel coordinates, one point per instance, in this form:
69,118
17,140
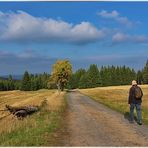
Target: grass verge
116,98
35,130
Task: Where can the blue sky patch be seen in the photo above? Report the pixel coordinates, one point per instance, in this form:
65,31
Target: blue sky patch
33,35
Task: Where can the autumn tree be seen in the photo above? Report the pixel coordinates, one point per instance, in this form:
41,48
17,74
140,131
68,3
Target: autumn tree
61,72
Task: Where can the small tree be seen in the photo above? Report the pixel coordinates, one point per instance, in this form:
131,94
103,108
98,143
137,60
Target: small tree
11,83
139,77
76,77
93,76
145,73
84,83
26,82
61,72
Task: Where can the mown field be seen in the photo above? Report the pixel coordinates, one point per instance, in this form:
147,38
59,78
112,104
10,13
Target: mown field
36,129
116,98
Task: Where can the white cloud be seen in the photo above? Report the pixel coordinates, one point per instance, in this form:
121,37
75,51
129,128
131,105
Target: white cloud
122,37
28,53
105,14
140,39
114,15
23,27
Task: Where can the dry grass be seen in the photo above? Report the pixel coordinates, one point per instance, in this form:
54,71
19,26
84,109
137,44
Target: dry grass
56,101
10,124
17,98
20,98
116,97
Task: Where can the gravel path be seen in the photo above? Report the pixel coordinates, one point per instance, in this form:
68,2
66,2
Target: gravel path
92,124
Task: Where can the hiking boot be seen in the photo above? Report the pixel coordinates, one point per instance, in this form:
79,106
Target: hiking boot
140,123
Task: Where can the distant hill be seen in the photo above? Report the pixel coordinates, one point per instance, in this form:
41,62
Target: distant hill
3,78
15,77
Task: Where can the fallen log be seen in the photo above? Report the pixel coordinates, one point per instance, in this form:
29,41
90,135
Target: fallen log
22,111
20,114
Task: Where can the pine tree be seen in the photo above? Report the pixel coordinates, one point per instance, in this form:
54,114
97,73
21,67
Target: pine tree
93,76
26,82
73,83
139,77
32,80
11,83
133,75
105,76
145,73
17,85
116,76
44,79
77,76
84,83
1,85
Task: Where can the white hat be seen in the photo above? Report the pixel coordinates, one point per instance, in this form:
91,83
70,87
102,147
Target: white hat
134,82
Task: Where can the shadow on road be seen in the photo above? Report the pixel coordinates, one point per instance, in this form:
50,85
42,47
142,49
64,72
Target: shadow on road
127,116
72,90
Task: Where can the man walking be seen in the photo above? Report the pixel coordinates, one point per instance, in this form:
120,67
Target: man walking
135,100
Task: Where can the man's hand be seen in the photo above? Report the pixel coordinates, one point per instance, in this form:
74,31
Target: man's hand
129,105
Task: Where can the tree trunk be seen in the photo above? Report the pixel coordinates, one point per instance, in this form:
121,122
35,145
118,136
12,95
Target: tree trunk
62,86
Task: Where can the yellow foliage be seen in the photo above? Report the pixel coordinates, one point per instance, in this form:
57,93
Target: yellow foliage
61,71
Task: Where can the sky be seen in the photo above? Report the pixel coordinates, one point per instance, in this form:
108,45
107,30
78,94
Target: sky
33,35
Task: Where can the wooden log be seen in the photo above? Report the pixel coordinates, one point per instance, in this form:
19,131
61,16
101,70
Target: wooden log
20,114
22,111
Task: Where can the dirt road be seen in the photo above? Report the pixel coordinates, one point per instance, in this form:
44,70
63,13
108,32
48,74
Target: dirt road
92,124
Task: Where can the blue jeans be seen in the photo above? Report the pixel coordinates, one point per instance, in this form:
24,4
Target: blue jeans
138,110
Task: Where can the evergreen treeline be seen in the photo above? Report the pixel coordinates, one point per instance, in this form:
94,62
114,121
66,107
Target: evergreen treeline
9,84
34,82
107,76
93,77
29,82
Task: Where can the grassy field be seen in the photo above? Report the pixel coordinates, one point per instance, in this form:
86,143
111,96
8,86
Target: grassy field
37,129
116,97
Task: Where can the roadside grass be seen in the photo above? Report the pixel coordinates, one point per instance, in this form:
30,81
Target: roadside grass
116,97
36,129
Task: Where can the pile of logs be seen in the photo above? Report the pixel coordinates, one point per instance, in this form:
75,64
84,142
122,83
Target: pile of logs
22,111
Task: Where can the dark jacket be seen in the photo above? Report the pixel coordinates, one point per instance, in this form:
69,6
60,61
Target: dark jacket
132,98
